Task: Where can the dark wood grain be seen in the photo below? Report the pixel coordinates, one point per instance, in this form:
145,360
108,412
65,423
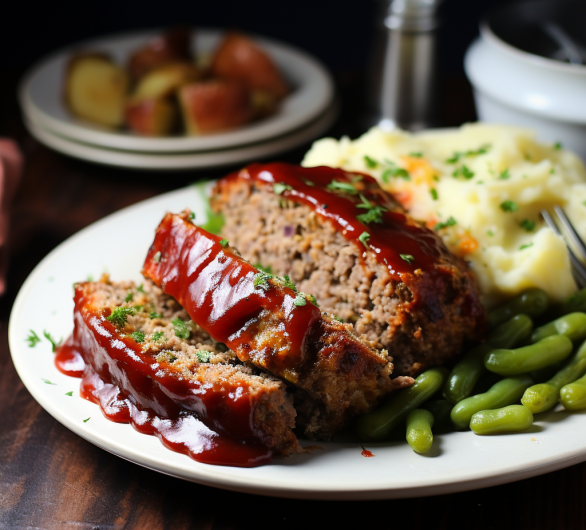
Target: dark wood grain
52,479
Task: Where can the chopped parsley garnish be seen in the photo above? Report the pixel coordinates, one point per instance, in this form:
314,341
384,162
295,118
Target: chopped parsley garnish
450,222
158,335
154,314
138,336
434,194
509,206
157,257
490,233
504,174
54,343
180,328
90,278
300,300
583,203
288,283
374,214
192,215
87,419
140,288
463,171
308,182
129,297
280,187
203,356
370,162
268,269
416,154
47,382
224,242
312,300
522,247
407,257
394,171
346,187
337,318
70,393
528,225
261,280
459,154
120,314
138,307
557,146
166,357
363,238
552,171
33,339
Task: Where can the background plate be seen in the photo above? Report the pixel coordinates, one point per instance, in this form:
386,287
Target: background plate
118,244
41,96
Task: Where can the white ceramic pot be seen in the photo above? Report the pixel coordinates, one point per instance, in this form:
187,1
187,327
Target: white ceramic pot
512,86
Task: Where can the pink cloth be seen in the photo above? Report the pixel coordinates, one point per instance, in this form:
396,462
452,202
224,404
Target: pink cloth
10,172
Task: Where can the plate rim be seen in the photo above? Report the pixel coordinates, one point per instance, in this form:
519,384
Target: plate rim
255,132
218,476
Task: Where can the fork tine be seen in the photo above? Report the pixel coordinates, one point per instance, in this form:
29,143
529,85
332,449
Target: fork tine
577,266
566,223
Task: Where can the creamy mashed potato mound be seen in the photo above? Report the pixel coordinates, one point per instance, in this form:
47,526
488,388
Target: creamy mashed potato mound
482,188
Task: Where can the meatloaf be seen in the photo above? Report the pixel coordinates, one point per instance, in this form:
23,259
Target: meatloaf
343,239
268,322
142,341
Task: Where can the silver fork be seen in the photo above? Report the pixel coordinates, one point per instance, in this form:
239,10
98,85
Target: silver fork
572,239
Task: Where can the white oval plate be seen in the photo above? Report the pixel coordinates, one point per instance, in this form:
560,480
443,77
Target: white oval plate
117,244
182,161
41,96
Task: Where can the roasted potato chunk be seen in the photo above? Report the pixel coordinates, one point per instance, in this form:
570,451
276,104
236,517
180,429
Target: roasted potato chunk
95,89
238,58
152,117
165,80
171,47
211,106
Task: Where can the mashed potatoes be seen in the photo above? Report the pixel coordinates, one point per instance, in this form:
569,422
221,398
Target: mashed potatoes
482,188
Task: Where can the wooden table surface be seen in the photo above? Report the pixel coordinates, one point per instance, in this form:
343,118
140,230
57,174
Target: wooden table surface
51,478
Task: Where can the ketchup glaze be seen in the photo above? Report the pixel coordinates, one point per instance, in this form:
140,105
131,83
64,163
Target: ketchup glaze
212,423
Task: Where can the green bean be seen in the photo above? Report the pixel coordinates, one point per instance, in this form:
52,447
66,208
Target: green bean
505,392
513,418
419,424
440,410
573,396
544,396
533,357
572,325
532,302
467,372
378,424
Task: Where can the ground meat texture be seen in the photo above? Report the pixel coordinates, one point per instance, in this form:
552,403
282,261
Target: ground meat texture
195,356
334,374
292,239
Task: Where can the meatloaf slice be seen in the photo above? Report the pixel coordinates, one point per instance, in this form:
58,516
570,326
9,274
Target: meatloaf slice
143,341
266,321
304,222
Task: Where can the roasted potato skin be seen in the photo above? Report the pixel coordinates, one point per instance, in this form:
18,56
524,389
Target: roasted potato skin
215,105
95,88
170,47
166,80
239,59
152,117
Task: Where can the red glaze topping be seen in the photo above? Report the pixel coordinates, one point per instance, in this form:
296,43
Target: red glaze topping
335,194
217,289
366,453
212,423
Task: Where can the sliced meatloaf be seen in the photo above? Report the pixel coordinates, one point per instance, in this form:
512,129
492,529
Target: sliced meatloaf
142,341
268,322
340,237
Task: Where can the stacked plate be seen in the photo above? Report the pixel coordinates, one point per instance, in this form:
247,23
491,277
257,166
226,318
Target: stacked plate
306,113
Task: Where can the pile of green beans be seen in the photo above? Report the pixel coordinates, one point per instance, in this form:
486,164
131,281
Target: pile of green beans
473,396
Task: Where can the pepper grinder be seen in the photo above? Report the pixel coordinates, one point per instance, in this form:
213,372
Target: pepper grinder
403,82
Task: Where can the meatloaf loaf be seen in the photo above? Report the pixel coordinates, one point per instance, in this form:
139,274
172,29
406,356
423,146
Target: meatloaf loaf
269,323
343,239
142,341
